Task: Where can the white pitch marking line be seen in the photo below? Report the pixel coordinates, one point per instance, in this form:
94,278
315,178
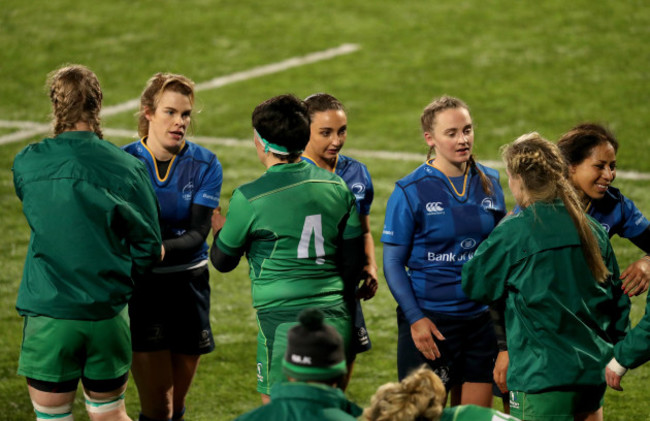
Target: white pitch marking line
36,128
394,156
241,143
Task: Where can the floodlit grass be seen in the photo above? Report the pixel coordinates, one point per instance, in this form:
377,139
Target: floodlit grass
521,66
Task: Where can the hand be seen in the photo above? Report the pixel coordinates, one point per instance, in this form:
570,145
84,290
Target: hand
162,252
217,220
422,332
613,379
636,277
368,288
501,370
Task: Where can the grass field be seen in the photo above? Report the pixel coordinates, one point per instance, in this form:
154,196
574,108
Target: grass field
521,66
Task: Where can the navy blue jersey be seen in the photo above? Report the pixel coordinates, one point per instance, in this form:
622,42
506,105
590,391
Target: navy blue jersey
442,230
356,176
194,176
618,215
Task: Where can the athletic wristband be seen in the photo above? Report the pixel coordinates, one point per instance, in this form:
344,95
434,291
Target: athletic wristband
616,367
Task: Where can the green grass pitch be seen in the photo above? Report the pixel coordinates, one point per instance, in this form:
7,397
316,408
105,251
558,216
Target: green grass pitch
521,66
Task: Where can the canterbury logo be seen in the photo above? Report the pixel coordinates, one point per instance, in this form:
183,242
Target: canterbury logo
434,207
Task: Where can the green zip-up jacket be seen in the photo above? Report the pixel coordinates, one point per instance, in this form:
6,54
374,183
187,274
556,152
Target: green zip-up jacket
296,401
560,322
93,216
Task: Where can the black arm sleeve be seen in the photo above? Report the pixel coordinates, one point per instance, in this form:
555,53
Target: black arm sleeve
187,244
643,241
497,309
221,261
350,260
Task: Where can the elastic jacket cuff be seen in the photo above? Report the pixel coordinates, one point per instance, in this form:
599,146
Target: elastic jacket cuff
616,367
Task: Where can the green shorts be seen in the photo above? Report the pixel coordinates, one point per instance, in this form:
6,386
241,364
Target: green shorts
58,350
557,404
274,324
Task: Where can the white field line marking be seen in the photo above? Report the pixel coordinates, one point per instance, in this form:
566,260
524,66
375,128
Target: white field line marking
29,130
359,153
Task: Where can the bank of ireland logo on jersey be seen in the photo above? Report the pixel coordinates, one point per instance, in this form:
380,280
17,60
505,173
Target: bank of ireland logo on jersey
187,191
434,208
468,243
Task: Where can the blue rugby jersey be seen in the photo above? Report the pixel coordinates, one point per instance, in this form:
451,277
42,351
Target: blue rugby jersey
194,176
356,176
618,215
443,231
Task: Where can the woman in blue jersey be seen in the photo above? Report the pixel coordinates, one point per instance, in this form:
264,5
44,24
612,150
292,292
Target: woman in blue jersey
590,152
328,133
435,219
169,311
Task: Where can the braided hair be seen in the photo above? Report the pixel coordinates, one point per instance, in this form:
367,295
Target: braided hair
428,121
419,396
543,172
76,97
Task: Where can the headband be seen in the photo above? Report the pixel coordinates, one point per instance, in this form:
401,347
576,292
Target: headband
277,149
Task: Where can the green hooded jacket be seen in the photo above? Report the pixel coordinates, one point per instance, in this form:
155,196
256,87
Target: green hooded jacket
561,324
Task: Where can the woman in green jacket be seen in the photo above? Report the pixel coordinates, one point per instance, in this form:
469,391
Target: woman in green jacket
556,271
94,222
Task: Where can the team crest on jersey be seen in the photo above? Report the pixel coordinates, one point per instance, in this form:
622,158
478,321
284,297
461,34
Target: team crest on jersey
188,189
468,243
487,204
359,190
434,208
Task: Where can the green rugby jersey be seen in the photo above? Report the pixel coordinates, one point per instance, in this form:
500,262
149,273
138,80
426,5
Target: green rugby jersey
290,222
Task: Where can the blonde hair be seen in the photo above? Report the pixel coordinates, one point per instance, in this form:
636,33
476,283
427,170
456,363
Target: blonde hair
419,396
156,86
76,97
428,121
542,169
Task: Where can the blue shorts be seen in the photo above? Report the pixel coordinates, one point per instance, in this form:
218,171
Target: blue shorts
171,311
467,354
